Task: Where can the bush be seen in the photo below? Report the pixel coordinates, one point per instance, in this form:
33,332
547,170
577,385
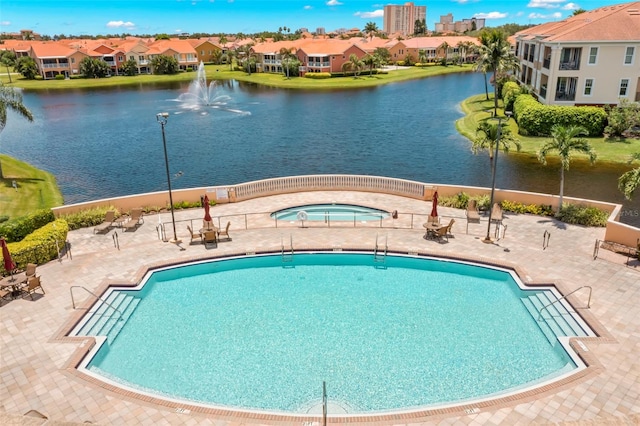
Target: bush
87,218
60,77
520,208
18,228
318,75
582,215
40,246
510,91
536,119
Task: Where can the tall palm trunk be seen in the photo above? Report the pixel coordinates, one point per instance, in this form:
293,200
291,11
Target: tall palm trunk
486,86
561,188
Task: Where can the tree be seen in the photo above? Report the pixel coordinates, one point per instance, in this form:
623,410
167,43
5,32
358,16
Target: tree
487,135
630,181
129,67
285,58
163,64
383,54
408,60
94,68
578,12
353,64
371,61
422,56
229,58
565,141
445,46
371,29
495,56
420,27
11,99
8,59
26,66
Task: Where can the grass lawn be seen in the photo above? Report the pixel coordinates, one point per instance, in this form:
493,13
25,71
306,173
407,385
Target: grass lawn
222,72
475,108
37,189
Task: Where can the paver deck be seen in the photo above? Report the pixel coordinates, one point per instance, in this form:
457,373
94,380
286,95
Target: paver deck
33,360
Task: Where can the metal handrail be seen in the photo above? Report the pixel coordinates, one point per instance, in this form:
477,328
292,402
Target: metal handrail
73,303
564,297
282,253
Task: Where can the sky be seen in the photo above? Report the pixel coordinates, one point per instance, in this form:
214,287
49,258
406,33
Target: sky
99,17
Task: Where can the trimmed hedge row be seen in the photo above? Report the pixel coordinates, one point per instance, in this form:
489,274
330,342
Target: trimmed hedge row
40,246
18,228
510,92
318,75
535,119
87,218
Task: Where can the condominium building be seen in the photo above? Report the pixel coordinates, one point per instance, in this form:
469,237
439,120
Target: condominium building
402,18
587,59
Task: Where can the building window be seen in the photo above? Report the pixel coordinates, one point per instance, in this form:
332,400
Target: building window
588,86
624,85
628,56
593,55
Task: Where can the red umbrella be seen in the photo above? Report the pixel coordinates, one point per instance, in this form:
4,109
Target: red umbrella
434,209
207,216
9,264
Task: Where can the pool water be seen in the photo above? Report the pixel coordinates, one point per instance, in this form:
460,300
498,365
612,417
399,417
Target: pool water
256,333
331,212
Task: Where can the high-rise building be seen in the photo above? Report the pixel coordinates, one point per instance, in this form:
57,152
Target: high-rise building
402,18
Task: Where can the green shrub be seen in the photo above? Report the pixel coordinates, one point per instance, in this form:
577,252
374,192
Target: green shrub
520,208
458,201
318,75
536,119
18,228
40,246
510,91
582,215
87,218
60,77
3,218
400,63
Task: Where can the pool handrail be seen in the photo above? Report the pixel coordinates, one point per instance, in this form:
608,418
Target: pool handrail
565,296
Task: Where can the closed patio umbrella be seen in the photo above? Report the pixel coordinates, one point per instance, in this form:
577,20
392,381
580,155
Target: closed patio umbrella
9,264
207,215
434,209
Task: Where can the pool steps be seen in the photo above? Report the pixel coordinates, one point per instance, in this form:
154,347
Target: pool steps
555,320
105,321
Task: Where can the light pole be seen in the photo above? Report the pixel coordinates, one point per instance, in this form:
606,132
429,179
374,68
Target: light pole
162,119
487,239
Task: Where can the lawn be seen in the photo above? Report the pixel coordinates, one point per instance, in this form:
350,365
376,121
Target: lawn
476,109
35,189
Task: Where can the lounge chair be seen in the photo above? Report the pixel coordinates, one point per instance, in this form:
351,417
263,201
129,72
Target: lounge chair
32,285
473,216
194,235
225,232
210,237
135,220
107,224
496,213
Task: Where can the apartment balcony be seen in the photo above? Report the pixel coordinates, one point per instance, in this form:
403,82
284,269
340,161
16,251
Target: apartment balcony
561,95
111,63
319,64
51,66
571,65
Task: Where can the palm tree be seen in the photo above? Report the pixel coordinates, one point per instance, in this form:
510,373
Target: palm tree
229,58
445,46
486,136
371,28
8,59
422,56
495,56
11,99
353,64
285,55
372,61
630,181
566,140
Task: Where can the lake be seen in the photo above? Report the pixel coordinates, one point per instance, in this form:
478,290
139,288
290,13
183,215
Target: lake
106,143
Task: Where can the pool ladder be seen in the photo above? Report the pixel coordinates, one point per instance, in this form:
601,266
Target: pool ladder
287,255
380,255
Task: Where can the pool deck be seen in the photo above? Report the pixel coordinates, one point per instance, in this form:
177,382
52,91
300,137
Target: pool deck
35,360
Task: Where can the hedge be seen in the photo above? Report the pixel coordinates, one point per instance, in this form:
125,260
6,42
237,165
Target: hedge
16,229
510,91
41,246
87,218
318,75
535,119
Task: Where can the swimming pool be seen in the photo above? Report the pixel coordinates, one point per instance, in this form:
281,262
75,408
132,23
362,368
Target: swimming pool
258,333
330,212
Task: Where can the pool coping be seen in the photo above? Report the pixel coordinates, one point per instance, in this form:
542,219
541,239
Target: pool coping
578,344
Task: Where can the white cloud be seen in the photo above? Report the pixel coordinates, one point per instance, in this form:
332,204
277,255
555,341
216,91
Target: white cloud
308,7
367,15
545,4
120,24
5,23
333,3
490,15
571,6
555,15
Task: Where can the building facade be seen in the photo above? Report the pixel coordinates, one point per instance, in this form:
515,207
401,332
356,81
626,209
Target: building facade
588,59
402,18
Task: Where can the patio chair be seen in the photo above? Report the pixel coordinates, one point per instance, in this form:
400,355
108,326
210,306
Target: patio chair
441,233
32,285
135,220
496,213
194,235
30,272
449,226
210,237
107,224
225,232
5,294
473,216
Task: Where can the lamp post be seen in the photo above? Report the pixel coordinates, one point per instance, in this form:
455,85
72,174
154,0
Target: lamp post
162,119
487,239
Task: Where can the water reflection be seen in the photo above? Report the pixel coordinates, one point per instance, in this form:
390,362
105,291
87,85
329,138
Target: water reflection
104,143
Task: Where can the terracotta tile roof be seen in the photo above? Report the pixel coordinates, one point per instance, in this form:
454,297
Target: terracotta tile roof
180,46
52,49
435,42
620,22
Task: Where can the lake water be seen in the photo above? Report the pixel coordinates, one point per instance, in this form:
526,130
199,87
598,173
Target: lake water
105,143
